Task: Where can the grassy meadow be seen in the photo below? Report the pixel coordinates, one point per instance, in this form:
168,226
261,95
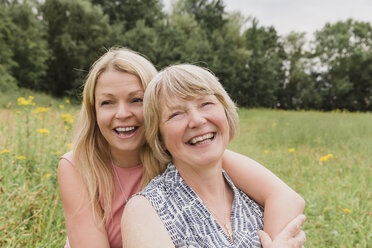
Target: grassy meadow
326,157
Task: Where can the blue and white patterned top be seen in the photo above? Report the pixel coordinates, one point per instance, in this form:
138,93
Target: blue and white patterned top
189,222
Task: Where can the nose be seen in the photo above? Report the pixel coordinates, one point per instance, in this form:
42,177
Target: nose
196,119
123,111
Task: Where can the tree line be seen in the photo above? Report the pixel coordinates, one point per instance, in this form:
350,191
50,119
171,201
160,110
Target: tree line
50,45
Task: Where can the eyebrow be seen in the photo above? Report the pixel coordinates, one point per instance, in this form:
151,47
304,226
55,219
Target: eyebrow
172,106
130,94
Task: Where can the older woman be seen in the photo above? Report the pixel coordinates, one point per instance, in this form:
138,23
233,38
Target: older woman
193,203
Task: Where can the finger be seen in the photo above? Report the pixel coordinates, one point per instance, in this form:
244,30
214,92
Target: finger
265,239
300,239
294,227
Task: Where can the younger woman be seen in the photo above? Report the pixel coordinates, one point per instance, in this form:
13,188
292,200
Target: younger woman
105,167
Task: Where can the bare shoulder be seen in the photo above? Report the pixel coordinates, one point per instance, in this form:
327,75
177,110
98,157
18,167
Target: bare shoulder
65,168
68,177
136,204
72,189
141,226
136,210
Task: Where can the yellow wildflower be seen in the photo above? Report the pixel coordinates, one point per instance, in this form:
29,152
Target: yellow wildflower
291,150
43,130
47,175
266,151
57,153
67,127
326,157
69,146
22,101
61,106
30,97
67,101
67,118
20,157
346,210
4,151
40,110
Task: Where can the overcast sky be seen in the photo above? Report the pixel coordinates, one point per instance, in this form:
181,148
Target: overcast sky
300,15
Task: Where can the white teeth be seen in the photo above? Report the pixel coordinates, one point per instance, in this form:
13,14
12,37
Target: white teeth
204,137
124,129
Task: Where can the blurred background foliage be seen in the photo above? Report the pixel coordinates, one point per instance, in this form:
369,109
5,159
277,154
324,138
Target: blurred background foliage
48,46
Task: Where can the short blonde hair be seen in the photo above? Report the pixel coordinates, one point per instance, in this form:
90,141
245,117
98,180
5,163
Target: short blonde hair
91,151
185,81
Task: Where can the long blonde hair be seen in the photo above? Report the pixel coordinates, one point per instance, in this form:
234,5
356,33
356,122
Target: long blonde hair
185,81
91,150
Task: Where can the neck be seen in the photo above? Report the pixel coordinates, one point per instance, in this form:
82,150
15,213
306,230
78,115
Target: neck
206,181
125,159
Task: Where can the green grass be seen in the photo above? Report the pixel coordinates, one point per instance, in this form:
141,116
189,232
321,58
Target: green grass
337,191
31,142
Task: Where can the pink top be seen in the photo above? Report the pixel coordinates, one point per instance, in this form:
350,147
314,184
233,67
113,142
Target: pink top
130,179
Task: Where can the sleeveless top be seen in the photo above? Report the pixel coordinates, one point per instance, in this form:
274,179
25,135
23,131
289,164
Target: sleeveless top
190,223
130,179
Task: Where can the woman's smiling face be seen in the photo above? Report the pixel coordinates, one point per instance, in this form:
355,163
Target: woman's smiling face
194,131
118,105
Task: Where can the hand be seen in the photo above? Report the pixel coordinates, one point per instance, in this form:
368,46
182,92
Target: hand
291,237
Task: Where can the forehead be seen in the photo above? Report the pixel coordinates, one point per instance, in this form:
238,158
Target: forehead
114,81
173,101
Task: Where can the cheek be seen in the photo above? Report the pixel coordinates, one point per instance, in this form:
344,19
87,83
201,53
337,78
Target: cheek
223,123
101,119
167,135
139,114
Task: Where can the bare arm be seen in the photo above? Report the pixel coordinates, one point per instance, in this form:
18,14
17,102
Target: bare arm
82,229
281,203
141,226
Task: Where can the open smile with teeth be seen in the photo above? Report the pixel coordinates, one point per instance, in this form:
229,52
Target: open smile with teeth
124,131
201,139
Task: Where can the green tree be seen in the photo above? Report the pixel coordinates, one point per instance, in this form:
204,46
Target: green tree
143,39
299,90
344,50
7,81
25,47
77,32
181,40
130,16
208,13
264,69
229,56
128,12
